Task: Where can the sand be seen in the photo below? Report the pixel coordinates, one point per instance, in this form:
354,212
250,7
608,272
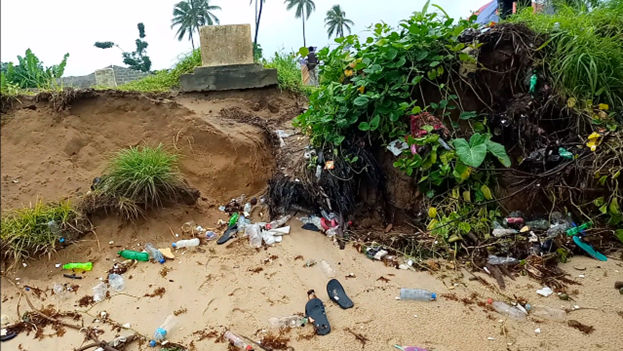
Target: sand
237,288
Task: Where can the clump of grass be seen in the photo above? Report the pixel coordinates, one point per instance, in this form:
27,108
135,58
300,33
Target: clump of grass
584,51
165,80
36,230
136,179
288,73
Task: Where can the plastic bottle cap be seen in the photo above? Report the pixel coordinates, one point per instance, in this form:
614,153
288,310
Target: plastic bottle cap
162,260
152,343
433,296
174,246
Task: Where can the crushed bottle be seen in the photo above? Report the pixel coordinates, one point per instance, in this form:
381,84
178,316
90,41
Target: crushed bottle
116,282
294,321
165,329
500,232
496,260
417,294
278,223
327,269
99,292
552,314
538,224
511,311
154,253
237,341
60,291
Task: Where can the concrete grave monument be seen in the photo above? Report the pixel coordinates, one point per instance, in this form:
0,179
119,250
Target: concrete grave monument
227,62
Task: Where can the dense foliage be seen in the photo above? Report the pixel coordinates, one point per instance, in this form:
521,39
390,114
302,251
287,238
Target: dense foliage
31,73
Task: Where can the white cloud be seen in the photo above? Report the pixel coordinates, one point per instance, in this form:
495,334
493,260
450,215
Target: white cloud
53,28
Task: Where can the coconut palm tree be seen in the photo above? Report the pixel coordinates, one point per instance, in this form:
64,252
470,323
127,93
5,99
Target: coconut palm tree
304,8
258,16
189,15
336,21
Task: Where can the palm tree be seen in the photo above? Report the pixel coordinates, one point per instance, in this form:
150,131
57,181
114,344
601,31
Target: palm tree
304,8
189,15
258,16
336,21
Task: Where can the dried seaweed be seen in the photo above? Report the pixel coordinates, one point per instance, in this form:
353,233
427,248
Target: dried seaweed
586,329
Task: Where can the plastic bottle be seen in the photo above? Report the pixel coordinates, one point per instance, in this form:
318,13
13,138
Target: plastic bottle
161,333
237,341
513,221
87,266
496,260
116,282
541,224
247,209
234,219
186,243
552,314
154,253
577,230
253,231
278,223
327,269
60,291
294,321
557,229
134,255
54,228
99,292
499,232
417,294
210,235
242,224
511,311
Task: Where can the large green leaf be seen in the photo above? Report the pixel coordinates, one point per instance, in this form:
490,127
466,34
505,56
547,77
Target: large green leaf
472,156
498,151
361,100
374,124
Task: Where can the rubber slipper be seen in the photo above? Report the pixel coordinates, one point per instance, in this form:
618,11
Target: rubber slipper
310,226
589,249
8,336
336,292
314,310
228,234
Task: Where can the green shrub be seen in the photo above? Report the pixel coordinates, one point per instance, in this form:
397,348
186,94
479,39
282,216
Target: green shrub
26,232
288,73
143,175
585,54
30,72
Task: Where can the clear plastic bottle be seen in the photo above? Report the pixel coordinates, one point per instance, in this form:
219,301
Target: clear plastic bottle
327,269
417,294
154,253
540,224
253,231
116,282
99,292
186,243
60,291
496,260
237,341
242,224
169,323
499,232
557,230
247,209
294,321
278,222
552,314
511,311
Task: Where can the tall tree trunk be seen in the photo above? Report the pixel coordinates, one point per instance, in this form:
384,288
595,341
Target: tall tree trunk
303,17
257,24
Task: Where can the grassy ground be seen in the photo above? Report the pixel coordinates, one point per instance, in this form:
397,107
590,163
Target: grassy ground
584,52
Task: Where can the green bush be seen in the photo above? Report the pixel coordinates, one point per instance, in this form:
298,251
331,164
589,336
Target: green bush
144,175
30,72
584,51
288,73
26,233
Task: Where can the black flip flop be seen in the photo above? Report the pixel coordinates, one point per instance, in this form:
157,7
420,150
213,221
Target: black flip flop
8,336
314,310
336,292
227,235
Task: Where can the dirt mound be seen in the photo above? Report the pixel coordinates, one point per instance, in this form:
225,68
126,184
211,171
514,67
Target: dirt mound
51,152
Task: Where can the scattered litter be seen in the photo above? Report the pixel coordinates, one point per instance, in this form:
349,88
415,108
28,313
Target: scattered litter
397,146
111,242
546,291
417,294
87,266
329,165
127,326
491,338
581,275
537,330
58,265
167,253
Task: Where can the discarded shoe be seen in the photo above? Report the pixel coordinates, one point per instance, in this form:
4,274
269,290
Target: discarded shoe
336,292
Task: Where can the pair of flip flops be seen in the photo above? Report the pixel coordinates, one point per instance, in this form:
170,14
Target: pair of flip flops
315,311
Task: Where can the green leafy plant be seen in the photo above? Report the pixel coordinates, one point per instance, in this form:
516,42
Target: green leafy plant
31,73
473,153
136,59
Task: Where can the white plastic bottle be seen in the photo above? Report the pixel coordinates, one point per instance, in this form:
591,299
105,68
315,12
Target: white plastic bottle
417,294
294,321
154,253
511,311
169,323
327,269
186,243
552,314
278,222
116,282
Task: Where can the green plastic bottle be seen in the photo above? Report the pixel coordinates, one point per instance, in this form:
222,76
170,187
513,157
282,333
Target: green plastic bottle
87,266
234,219
576,230
533,81
134,255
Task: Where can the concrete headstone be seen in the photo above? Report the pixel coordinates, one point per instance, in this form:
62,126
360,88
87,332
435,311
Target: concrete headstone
226,45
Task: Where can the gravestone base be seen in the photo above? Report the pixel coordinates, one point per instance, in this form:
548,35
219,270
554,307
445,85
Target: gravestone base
230,77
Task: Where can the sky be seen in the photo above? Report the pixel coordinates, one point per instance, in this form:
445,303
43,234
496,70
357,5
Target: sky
52,28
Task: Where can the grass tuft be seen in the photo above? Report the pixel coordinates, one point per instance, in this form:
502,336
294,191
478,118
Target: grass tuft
142,175
288,73
36,230
584,52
